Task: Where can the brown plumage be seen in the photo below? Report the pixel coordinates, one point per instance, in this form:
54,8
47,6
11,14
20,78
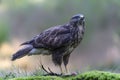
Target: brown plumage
58,41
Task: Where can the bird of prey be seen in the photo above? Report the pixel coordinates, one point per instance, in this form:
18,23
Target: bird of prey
58,41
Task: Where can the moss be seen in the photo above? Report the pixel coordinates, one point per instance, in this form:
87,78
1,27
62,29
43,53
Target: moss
97,75
92,75
39,78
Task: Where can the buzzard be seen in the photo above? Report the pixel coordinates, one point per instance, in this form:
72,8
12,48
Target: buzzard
58,41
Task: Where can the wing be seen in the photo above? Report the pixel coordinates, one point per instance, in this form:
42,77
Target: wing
54,37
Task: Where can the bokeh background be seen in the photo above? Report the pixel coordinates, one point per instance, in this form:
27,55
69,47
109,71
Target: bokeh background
20,20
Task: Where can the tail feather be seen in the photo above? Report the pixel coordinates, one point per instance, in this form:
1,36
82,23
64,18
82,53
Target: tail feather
27,42
21,53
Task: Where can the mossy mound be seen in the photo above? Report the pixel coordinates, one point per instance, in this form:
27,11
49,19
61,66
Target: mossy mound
97,75
92,75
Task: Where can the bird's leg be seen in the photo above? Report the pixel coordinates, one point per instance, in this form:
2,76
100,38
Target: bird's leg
57,60
65,61
61,70
66,69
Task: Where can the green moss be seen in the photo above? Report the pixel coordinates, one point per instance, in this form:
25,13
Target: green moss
97,75
39,78
92,75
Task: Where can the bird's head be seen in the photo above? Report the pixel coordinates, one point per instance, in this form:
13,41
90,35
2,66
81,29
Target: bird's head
77,19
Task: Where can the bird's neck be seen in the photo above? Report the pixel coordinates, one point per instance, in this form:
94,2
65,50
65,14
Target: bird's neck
76,25
81,27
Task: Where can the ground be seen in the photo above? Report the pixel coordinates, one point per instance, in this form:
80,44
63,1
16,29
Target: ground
91,75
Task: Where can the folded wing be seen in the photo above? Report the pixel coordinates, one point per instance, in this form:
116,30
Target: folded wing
52,38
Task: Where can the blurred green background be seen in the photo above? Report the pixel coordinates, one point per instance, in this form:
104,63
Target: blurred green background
20,20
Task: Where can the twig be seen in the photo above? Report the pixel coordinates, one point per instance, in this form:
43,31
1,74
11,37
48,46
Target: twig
51,73
44,69
50,70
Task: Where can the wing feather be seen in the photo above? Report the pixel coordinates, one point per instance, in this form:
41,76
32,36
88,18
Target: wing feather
54,37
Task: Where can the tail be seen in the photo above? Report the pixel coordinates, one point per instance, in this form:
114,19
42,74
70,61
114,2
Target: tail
21,53
28,42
